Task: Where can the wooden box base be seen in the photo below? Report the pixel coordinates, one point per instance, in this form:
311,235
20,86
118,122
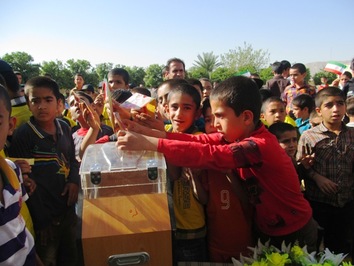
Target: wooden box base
127,224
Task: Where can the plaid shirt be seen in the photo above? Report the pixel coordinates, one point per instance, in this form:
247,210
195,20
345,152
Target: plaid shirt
291,92
334,158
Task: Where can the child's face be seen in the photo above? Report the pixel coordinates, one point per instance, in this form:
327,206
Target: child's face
7,124
162,94
344,79
209,122
117,82
300,113
275,112
296,76
207,87
182,111
332,110
79,81
288,141
226,122
43,104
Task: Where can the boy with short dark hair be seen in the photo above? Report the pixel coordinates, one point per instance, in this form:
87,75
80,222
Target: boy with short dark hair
299,86
278,83
52,205
246,146
118,78
330,182
16,242
350,111
303,105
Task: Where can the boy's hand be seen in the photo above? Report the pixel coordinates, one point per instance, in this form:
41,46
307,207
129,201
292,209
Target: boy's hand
30,184
73,191
327,186
24,166
127,140
148,121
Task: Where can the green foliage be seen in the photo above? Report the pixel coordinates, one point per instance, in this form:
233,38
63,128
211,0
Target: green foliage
136,75
197,73
23,62
330,76
79,66
245,56
266,74
221,74
153,75
58,71
208,62
103,69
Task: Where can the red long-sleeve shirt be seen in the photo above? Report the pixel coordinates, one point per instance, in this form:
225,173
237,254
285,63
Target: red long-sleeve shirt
271,178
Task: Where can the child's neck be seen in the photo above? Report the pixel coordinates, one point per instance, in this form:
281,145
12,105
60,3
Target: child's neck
300,84
48,127
335,128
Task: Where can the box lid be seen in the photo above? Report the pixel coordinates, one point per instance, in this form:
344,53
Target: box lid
108,158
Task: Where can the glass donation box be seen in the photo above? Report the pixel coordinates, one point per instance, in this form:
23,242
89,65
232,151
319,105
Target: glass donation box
125,210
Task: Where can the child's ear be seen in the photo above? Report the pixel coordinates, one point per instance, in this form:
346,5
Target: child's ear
248,117
12,125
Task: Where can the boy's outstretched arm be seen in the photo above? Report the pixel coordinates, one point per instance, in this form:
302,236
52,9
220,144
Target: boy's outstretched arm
128,140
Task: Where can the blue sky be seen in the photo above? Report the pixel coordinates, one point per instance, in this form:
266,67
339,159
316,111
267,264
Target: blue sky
140,33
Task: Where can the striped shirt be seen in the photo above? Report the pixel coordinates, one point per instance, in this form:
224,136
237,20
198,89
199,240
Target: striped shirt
334,158
16,242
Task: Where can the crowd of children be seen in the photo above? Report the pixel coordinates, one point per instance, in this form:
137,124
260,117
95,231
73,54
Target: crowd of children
245,163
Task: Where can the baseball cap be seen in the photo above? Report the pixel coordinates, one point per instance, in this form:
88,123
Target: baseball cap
88,88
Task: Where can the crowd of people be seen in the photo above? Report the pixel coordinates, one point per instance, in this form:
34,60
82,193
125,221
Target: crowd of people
247,161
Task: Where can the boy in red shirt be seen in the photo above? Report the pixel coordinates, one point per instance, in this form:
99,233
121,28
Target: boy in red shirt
243,144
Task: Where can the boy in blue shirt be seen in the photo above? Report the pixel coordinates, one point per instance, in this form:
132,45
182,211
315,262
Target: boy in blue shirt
56,171
303,105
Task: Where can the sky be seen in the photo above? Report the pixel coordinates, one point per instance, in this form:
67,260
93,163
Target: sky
141,33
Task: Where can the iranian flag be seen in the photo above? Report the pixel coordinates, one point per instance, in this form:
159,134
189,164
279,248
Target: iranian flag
335,67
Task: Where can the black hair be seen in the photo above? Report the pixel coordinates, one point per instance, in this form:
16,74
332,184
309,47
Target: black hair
42,82
185,88
278,129
5,98
277,67
348,74
327,92
141,90
197,82
121,95
350,106
239,93
83,94
205,106
272,99
286,64
120,72
11,81
265,94
300,67
304,100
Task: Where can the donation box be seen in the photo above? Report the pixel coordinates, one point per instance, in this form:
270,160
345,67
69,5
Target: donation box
125,211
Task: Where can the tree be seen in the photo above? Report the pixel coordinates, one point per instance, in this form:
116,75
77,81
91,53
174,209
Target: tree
330,76
208,62
245,56
266,74
22,62
58,71
222,73
197,73
79,66
103,69
153,75
136,75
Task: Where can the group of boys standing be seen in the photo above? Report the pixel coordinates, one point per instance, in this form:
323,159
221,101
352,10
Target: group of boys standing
243,147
